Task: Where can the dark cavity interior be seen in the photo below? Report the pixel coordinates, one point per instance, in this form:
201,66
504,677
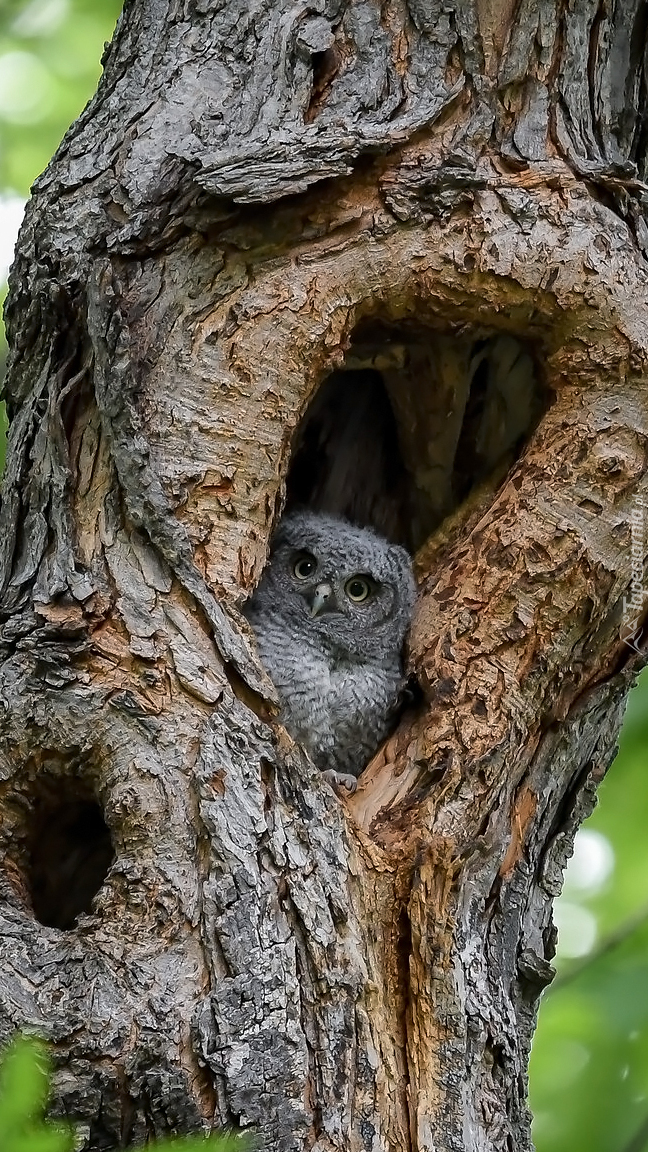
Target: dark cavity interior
70,852
399,436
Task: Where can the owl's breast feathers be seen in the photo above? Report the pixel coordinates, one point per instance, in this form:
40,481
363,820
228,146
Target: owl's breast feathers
330,615
339,708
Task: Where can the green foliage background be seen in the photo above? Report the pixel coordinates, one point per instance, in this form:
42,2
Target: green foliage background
589,1070
24,1089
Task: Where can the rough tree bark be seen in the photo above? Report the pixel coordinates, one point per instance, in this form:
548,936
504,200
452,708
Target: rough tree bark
389,259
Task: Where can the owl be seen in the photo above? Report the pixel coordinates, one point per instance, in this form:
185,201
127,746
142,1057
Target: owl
330,616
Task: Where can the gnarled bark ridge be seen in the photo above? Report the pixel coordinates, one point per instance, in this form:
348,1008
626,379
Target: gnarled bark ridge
389,260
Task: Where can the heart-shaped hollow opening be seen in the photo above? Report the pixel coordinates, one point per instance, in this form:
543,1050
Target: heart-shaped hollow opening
412,422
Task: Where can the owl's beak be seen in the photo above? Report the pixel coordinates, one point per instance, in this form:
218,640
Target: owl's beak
323,600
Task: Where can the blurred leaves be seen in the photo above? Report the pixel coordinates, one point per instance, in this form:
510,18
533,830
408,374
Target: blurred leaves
23,1096
24,1088
50,52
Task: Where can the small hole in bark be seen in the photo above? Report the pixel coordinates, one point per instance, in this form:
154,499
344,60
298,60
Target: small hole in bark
69,853
415,419
325,66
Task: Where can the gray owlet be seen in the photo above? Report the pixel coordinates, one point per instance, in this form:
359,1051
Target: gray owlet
330,616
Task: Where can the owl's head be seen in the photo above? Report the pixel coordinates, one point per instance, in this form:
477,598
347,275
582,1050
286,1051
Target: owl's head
346,586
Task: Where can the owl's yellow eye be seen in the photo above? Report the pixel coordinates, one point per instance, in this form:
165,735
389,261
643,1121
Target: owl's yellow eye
359,589
304,566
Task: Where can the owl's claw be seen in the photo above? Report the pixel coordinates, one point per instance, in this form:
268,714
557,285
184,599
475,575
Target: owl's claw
341,780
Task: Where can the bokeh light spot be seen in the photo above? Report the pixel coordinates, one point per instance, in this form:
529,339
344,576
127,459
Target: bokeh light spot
576,929
25,86
592,863
41,18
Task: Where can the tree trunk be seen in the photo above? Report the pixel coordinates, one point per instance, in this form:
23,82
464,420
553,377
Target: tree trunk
391,261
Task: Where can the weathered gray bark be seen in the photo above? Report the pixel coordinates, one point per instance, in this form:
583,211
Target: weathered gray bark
449,200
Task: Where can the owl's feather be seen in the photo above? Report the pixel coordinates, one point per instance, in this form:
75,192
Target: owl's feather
338,672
